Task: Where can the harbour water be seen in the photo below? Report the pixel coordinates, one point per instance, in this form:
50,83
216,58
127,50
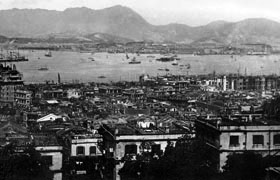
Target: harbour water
87,67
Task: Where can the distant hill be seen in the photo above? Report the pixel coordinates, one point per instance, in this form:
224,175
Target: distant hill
122,24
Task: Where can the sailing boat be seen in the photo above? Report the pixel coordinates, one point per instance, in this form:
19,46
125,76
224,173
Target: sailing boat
45,68
134,61
48,54
175,63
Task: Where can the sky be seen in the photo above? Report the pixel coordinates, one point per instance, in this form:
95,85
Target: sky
158,12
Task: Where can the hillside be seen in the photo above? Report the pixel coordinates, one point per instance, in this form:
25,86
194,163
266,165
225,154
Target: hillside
123,24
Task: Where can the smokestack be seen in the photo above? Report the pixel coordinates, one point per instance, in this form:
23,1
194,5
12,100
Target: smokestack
58,78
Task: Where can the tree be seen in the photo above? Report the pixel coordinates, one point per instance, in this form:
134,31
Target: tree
27,165
190,159
245,166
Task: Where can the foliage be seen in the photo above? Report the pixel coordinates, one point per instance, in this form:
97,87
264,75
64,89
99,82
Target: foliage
23,166
188,159
272,108
248,165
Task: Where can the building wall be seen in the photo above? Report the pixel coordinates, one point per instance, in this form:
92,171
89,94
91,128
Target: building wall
246,141
56,153
120,147
86,143
123,140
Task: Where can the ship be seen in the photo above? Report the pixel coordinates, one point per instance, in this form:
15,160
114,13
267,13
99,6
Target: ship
175,63
101,77
166,59
134,61
91,58
43,68
48,54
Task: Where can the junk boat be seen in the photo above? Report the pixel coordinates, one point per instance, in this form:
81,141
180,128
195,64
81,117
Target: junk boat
175,63
91,58
43,68
48,54
133,61
101,77
166,59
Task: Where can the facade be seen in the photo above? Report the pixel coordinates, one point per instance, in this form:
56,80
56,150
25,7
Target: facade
231,136
123,140
23,97
86,153
88,145
51,151
10,80
73,93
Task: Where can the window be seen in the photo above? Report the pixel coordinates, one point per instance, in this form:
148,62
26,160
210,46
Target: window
80,150
234,141
156,149
47,160
276,139
131,149
92,150
257,139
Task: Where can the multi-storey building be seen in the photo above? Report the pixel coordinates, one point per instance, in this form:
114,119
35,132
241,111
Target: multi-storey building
23,97
51,152
228,136
129,140
10,78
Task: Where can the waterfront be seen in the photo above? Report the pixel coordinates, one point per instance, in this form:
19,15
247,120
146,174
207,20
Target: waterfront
116,67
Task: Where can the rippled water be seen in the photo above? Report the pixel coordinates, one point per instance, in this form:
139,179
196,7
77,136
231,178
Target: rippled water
115,67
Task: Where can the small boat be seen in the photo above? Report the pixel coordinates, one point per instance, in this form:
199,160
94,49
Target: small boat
43,68
165,59
175,63
133,61
188,66
101,77
161,69
150,56
91,58
48,54
166,69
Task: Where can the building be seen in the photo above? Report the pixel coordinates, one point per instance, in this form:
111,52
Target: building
10,80
73,93
23,98
86,145
137,136
51,151
84,149
248,133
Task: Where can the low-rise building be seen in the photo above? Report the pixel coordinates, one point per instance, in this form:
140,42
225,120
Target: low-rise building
51,151
228,136
136,137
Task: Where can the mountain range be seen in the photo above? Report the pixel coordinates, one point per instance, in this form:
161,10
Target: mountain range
122,24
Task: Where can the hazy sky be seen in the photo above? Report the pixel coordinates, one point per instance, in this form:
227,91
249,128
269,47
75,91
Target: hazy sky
191,12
